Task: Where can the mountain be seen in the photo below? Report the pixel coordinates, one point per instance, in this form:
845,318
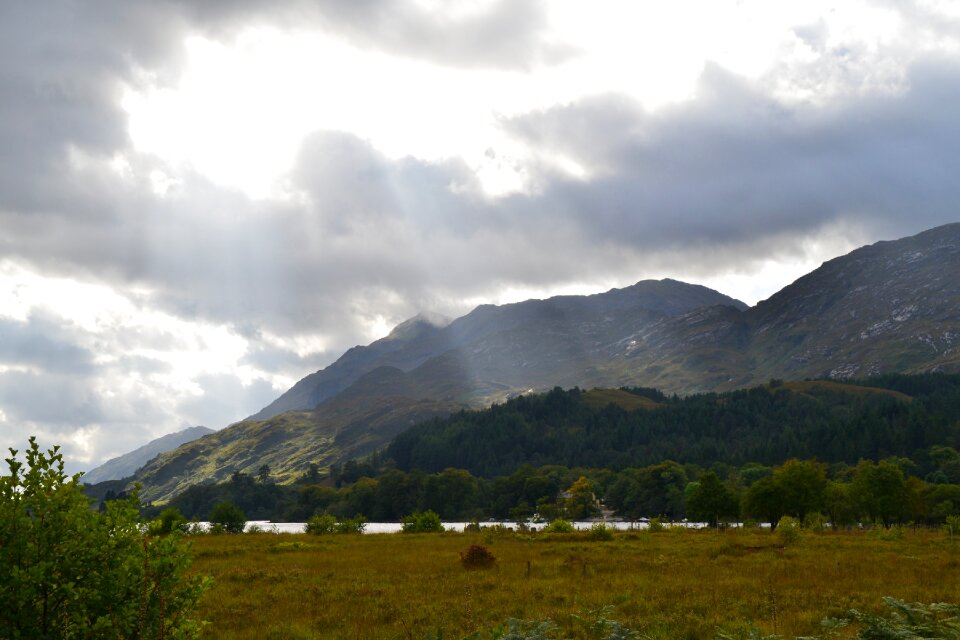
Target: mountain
888,307
497,350
125,465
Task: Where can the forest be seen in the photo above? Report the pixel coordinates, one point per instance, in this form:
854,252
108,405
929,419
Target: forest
878,450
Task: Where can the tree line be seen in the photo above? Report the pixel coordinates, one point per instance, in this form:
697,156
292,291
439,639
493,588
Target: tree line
528,455
887,491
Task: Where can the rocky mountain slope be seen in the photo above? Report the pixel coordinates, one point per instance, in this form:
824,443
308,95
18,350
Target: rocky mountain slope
125,465
888,307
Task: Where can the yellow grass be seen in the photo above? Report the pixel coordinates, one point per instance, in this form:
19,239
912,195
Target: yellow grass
666,585
599,398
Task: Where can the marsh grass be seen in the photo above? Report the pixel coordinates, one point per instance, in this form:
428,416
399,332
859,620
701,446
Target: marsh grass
673,584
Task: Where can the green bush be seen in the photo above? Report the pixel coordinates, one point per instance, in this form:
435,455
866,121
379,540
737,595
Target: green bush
69,571
788,530
422,522
352,525
815,521
170,520
321,524
952,527
228,517
655,525
559,526
600,531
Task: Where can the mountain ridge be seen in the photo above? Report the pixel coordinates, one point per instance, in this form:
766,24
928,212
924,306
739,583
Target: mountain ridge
127,464
893,306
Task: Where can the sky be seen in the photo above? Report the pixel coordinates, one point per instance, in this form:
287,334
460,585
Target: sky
202,202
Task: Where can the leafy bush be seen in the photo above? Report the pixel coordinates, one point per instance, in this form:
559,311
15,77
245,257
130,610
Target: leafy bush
477,556
352,525
655,525
320,525
422,522
788,530
600,531
228,517
906,620
559,526
815,521
71,571
324,524
170,520
952,527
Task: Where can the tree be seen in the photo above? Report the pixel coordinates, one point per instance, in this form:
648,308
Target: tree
263,474
801,484
170,520
764,502
879,491
72,571
228,516
579,501
709,501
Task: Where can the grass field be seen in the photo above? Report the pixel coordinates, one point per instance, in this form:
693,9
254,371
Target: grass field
671,584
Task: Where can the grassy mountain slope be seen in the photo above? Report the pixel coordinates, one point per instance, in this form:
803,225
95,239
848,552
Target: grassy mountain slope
125,465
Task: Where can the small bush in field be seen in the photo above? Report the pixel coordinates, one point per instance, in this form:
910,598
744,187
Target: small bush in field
326,524
477,556
655,525
559,526
320,525
351,525
952,528
788,530
815,521
600,531
422,522
229,517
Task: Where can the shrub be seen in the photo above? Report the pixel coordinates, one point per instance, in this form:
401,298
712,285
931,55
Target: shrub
229,517
321,524
71,571
655,525
788,530
600,531
477,556
422,522
351,525
815,521
170,520
952,527
559,526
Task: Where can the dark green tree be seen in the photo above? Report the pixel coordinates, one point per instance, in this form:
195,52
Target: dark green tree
710,501
228,516
763,501
878,491
801,484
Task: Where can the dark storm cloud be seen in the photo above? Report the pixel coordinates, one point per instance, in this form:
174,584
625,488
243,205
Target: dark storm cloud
735,166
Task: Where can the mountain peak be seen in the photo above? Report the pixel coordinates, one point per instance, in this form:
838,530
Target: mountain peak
419,322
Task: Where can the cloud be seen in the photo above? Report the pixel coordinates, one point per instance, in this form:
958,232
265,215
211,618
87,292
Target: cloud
222,296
